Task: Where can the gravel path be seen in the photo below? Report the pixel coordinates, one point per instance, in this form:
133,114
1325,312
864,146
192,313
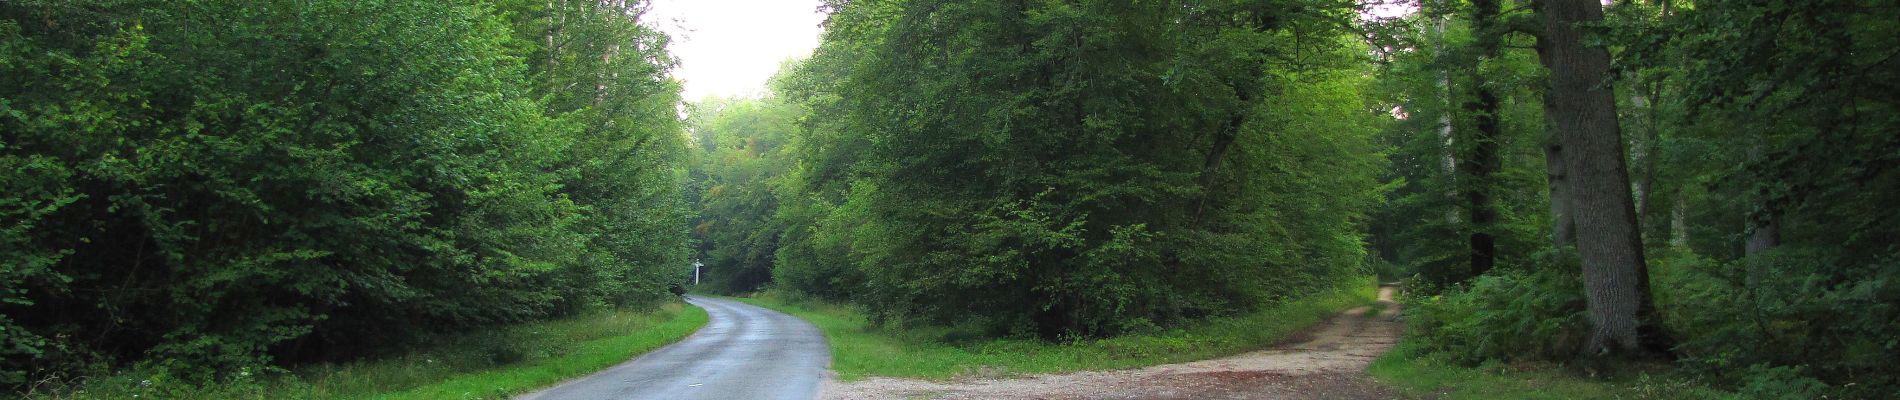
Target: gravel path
1326,362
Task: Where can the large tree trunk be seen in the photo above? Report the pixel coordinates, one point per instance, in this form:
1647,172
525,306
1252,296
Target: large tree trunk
1582,114
1563,229
1482,162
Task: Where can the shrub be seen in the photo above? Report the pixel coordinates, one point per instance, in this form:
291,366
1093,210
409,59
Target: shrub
1505,315
1796,318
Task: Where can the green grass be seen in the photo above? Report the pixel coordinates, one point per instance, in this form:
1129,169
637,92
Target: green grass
491,364
861,350
1415,373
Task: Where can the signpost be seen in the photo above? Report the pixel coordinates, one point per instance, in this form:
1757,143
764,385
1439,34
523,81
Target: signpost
696,266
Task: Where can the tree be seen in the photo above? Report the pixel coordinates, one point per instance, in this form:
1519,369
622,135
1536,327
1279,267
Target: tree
1481,139
1596,193
1081,169
209,187
741,144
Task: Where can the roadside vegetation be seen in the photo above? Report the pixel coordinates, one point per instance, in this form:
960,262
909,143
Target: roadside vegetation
491,364
861,349
1417,372
1701,191
226,190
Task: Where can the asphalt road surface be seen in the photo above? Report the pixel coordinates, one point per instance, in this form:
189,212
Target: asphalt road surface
743,352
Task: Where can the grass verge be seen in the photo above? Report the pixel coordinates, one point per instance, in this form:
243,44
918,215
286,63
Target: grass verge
860,349
1417,374
491,364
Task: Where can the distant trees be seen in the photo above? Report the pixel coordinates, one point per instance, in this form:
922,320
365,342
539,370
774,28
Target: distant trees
1077,169
210,186
1466,85
738,185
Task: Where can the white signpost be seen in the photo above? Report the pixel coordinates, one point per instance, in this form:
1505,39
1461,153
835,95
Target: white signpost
696,266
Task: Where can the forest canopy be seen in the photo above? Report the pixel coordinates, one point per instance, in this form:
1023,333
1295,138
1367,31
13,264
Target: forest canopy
216,186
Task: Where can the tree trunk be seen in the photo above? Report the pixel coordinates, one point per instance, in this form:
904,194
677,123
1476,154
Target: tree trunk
1448,157
1581,109
1643,149
1563,229
1450,160
1482,140
1763,233
1679,222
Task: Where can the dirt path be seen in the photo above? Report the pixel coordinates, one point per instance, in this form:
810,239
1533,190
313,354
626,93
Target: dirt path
1325,362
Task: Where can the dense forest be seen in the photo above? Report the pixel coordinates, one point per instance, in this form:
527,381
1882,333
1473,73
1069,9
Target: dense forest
1049,170
214,187
1703,184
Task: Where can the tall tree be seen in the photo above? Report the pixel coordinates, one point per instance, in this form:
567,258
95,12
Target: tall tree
1581,108
1481,161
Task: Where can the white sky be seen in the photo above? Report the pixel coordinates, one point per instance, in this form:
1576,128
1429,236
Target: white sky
731,47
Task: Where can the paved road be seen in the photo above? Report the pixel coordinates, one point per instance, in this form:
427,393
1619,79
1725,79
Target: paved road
744,352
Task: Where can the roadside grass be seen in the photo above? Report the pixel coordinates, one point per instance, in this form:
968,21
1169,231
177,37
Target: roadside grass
861,350
1418,374
491,364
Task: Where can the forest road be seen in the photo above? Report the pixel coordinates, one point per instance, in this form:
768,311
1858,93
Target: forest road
743,352
1326,361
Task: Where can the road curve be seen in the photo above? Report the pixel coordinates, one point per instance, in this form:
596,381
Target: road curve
743,352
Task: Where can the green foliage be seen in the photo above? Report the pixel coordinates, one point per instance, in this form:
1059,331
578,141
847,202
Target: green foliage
445,366
1509,315
1425,221
1761,137
738,188
1798,318
861,349
1787,118
210,188
1080,169
1419,372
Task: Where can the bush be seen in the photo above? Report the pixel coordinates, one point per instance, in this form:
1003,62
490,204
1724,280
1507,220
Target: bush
1797,320
1505,315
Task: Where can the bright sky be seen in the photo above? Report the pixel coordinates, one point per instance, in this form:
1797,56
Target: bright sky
731,47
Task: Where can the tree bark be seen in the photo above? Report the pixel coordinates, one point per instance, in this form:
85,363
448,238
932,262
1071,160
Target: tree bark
1448,156
1581,109
1482,162
1643,149
1763,233
1563,229
1679,222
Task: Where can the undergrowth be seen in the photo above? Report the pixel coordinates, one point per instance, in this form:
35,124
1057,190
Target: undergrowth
861,349
490,364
